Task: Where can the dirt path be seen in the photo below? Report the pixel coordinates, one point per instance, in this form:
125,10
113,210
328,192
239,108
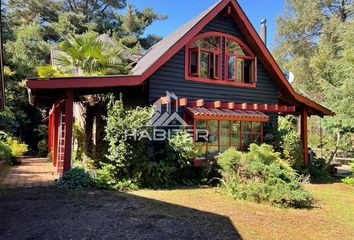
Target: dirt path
32,172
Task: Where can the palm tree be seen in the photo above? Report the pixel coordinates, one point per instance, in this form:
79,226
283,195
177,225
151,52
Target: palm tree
89,54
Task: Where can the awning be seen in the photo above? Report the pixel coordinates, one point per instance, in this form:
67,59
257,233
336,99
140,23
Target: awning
227,114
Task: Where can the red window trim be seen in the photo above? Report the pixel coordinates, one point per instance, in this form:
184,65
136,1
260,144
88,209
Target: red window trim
238,56
218,79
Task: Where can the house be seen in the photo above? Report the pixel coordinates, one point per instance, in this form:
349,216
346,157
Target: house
224,76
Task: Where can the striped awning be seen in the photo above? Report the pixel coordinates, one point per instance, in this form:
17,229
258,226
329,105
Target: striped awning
227,114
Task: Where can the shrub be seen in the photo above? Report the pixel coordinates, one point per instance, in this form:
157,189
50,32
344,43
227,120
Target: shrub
75,178
260,176
17,148
5,152
318,170
349,181
160,174
126,157
131,161
292,150
42,148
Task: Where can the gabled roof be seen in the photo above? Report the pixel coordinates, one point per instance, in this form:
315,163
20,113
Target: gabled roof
160,53
160,48
167,47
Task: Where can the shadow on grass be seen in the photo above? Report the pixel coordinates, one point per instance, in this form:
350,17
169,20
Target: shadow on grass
46,213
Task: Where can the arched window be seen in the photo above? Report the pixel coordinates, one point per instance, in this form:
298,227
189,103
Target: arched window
220,58
204,55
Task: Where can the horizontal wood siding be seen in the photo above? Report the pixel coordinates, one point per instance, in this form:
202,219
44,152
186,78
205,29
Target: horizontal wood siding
170,77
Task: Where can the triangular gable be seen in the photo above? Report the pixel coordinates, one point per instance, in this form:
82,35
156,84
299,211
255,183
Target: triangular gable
160,53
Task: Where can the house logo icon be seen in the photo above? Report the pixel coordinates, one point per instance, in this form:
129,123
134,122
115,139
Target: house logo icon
169,117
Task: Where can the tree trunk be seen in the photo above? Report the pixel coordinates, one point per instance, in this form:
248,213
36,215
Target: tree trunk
338,136
88,129
100,146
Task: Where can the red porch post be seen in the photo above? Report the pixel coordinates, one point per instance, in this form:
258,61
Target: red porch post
56,113
304,135
69,106
50,129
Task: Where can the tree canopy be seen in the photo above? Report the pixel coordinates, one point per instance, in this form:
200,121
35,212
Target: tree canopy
315,41
31,28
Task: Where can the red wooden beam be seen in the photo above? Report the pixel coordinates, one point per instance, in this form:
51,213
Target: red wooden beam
263,107
282,108
273,108
304,135
69,104
229,105
182,102
198,103
164,100
291,109
215,104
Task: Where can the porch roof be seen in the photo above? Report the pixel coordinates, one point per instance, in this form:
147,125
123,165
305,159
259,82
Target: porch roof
227,114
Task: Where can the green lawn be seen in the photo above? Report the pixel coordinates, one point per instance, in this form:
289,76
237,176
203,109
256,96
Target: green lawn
331,218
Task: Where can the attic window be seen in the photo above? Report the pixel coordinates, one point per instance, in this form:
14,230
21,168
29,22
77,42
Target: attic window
204,58
220,58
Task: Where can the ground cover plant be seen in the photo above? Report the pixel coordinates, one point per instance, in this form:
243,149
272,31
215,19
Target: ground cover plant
261,176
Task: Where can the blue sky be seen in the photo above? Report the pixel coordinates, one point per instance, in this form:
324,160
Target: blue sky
180,11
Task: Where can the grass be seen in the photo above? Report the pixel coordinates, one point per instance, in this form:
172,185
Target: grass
331,218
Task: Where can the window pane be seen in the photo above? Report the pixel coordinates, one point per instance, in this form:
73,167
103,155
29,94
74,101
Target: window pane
216,68
194,62
257,139
212,43
204,64
224,126
246,127
224,148
247,74
213,126
240,70
246,139
233,47
256,127
201,124
224,139
235,139
235,126
213,138
231,63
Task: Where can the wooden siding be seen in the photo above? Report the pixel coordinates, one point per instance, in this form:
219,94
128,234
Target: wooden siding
170,77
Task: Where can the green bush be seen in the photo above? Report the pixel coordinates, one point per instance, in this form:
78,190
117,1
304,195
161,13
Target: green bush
5,152
317,170
160,174
127,157
132,162
349,181
17,148
292,150
75,178
42,148
260,176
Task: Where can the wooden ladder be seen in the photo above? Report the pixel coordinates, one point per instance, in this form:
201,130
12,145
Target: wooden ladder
61,143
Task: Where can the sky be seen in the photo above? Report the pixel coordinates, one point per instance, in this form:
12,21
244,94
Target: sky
180,11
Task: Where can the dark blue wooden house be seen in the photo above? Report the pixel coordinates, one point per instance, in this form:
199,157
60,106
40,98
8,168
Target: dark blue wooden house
224,76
